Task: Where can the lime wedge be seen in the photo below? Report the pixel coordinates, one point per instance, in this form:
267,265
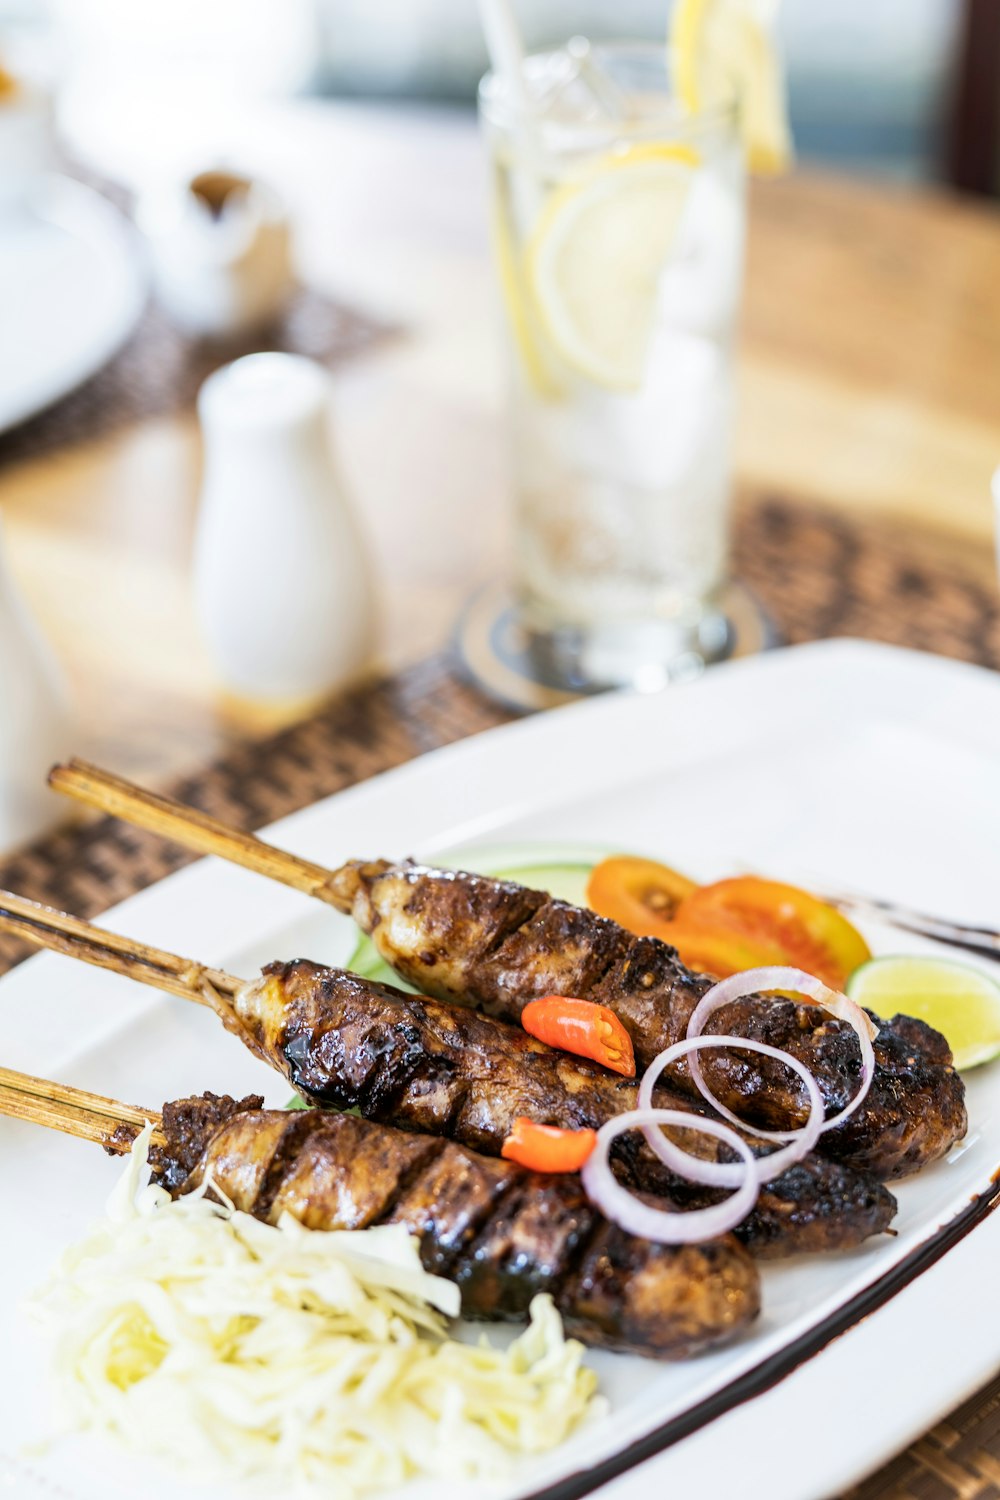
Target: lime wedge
722,54
597,253
961,1002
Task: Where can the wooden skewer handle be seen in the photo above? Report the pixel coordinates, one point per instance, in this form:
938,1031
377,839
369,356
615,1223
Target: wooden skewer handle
185,825
73,1111
61,933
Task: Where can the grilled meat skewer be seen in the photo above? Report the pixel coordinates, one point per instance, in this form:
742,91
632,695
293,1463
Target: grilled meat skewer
423,1064
426,1065
501,1233
475,940
497,945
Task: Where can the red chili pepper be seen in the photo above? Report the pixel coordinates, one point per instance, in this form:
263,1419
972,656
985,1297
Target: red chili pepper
546,1148
581,1027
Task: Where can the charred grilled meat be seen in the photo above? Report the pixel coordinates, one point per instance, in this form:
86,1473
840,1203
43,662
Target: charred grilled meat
428,1066
496,945
503,1234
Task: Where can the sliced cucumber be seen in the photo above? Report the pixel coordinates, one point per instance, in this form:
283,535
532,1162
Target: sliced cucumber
564,882
297,1102
367,962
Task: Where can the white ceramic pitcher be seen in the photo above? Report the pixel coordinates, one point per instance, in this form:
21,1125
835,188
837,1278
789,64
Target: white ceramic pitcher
282,582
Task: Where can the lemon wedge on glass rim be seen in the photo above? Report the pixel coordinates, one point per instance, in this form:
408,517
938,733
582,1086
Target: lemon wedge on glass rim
722,52
595,258
961,1002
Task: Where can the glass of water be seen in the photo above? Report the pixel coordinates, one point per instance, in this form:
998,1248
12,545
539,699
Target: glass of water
618,231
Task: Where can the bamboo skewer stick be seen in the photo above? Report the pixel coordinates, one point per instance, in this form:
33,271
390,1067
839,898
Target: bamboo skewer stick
91,1117
195,830
58,931
186,826
74,938
96,1104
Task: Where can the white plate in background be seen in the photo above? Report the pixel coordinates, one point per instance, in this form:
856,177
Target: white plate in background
72,287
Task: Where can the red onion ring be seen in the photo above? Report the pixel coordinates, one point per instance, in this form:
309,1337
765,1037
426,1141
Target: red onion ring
664,1226
778,977
730,1174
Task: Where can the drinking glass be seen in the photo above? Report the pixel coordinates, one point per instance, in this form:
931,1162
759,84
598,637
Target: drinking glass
618,234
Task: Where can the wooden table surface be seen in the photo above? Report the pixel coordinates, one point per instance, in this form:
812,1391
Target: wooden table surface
870,380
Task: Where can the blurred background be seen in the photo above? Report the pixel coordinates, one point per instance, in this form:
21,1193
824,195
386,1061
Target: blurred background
882,88
869,372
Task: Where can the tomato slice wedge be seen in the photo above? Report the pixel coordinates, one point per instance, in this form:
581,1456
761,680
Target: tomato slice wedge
723,921
745,922
720,947
639,894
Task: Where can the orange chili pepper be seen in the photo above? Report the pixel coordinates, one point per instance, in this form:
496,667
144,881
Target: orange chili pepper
546,1148
581,1027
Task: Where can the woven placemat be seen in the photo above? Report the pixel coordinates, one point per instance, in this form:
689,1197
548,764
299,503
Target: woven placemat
160,371
817,575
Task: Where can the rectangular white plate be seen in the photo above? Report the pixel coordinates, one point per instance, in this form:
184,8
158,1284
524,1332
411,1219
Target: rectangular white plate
838,764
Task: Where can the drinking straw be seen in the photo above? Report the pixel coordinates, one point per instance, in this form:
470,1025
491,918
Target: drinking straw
505,47
506,51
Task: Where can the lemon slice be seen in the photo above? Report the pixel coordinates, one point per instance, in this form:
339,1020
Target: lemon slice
961,1002
721,50
521,316
595,259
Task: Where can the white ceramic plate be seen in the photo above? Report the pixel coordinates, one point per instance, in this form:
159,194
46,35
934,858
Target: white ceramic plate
71,291
840,764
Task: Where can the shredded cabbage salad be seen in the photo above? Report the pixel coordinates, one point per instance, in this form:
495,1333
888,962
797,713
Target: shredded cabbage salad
191,1329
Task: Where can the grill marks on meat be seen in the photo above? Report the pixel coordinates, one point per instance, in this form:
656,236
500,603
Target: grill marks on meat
501,1233
424,1065
472,940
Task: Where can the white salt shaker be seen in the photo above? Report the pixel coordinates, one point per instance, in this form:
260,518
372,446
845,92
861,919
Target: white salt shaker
34,721
282,583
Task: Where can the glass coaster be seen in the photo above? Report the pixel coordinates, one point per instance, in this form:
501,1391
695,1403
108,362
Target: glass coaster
495,652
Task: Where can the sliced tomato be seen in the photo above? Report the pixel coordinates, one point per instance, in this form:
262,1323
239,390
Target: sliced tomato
721,947
639,894
788,925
